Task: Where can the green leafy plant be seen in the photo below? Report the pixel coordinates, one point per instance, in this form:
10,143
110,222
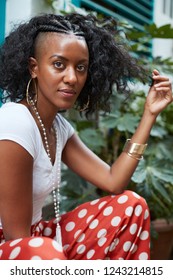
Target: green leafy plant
153,178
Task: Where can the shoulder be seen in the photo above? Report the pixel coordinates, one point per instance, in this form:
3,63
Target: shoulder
13,112
17,124
15,119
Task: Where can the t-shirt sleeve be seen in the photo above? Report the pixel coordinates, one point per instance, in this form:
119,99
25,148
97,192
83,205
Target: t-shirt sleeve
16,125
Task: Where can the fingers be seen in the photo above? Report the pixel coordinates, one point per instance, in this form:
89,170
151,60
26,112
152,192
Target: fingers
160,82
159,78
155,72
163,86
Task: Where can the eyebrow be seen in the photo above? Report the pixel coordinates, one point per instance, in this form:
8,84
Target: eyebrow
64,58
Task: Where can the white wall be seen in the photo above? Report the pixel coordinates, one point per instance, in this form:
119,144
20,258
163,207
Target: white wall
21,10
162,47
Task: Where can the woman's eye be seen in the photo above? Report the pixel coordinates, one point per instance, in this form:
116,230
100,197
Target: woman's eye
81,68
58,64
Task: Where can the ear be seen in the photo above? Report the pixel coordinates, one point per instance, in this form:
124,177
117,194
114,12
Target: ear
33,66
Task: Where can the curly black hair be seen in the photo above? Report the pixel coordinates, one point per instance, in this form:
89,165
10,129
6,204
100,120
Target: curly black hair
109,61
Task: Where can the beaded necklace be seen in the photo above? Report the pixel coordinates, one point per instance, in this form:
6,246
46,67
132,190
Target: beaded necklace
56,198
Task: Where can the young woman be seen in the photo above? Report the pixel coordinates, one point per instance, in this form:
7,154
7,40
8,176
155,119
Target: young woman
48,64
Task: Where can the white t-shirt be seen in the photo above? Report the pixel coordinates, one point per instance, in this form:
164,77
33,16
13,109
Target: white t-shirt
17,124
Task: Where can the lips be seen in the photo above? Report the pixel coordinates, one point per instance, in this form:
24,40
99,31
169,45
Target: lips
67,92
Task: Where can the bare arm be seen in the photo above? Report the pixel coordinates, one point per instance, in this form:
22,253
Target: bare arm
115,178
16,166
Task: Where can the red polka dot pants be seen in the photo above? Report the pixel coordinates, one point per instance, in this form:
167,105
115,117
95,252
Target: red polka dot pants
112,227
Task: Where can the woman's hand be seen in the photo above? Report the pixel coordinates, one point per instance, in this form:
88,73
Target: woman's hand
160,94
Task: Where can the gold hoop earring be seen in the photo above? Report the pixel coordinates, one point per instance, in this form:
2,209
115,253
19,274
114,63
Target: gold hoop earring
30,98
85,105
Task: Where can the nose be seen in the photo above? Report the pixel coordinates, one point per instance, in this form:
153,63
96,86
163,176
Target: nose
70,76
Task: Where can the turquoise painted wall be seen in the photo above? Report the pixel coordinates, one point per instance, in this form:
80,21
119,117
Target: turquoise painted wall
138,13
2,20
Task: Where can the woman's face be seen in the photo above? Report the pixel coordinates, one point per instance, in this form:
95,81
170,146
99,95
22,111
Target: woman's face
60,67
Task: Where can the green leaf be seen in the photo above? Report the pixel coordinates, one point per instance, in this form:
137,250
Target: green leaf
165,31
160,188
163,174
127,122
158,131
110,121
158,206
92,138
139,175
124,122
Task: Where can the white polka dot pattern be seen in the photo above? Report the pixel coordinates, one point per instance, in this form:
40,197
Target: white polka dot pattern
138,210
107,211
47,231
129,211
94,224
146,214
115,221
82,213
81,248
70,226
133,248
113,227
113,245
102,241
101,204
143,256
122,199
126,246
101,233
144,235
94,201
14,253
81,237
77,233
36,242
133,228
1,251
90,254
14,242
89,218
36,258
